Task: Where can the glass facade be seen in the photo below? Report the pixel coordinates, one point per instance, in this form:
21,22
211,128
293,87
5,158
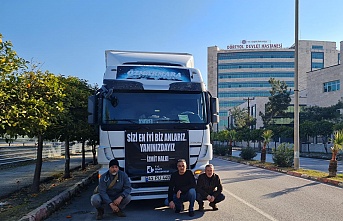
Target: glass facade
244,73
254,80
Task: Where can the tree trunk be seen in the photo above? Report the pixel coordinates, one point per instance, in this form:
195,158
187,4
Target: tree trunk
263,155
230,148
38,169
67,159
334,154
333,168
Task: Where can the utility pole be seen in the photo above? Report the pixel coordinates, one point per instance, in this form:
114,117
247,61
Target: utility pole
296,90
228,119
249,99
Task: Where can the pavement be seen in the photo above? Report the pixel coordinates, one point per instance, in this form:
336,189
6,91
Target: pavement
321,165
15,178
19,177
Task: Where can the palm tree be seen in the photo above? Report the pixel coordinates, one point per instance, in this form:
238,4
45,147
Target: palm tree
267,136
337,145
231,136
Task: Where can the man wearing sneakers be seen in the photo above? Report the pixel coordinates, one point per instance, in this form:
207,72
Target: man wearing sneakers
209,187
182,188
114,190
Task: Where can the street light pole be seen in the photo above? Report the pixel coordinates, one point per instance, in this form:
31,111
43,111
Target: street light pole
296,89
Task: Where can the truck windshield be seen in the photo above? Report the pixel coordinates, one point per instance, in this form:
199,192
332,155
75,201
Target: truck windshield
154,108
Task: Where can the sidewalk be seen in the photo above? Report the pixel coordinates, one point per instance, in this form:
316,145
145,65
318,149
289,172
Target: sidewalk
305,163
16,178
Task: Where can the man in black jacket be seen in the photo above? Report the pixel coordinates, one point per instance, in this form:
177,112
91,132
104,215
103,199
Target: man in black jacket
209,187
182,188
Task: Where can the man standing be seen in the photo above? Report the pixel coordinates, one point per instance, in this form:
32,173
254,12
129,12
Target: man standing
114,190
182,188
209,187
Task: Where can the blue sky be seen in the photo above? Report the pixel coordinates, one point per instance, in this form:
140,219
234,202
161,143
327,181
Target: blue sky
69,37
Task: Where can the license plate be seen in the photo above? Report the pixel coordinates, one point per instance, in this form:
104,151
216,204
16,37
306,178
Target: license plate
157,178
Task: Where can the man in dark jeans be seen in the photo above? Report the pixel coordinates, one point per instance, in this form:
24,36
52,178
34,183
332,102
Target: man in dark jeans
209,187
182,188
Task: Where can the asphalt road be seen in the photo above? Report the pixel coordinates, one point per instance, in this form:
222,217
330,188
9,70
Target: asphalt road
251,194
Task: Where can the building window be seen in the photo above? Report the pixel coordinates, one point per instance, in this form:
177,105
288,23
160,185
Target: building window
230,103
317,47
317,65
332,86
317,55
254,55
250,84
244,94
339,58
228,75
256,65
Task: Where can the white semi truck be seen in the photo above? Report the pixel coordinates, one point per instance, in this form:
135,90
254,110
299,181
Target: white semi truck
152,110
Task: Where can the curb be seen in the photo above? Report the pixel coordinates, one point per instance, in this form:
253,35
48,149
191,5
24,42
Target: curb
46,209
292,173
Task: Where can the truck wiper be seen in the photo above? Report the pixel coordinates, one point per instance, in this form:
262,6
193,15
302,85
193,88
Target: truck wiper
168,120
127,120
133,122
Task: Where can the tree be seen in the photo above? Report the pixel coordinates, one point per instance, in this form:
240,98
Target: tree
222,137
72,123
307,129
279,101
325,129
256,136
337,145
94,141
231,136
315,113
239,116
84,130
10,66
266,135
40,104
242,119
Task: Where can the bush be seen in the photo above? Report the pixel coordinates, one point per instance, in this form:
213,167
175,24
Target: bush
248,153
284,155
220,150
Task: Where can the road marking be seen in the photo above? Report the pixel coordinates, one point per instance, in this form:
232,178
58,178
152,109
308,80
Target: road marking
251,206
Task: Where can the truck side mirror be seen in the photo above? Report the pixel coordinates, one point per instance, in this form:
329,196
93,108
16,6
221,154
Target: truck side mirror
92,109
214,110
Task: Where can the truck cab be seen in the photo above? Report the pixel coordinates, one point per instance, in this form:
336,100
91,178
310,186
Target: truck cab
153,109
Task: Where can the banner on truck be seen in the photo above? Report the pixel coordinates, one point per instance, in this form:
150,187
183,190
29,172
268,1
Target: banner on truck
152,153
